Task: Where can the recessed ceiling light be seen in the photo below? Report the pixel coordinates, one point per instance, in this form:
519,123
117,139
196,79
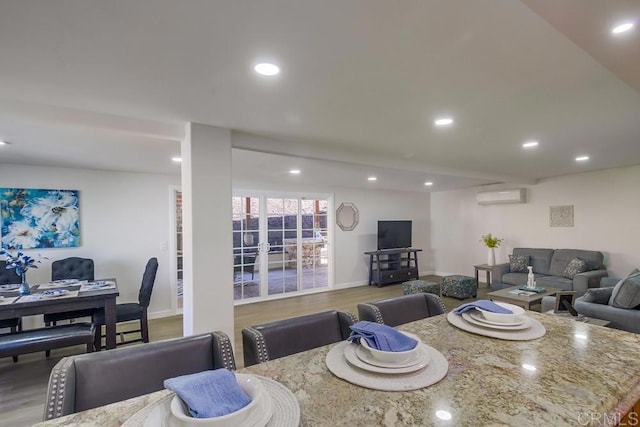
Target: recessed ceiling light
267,69
294,171
443,121
622,28
530,144
372,178
177,159
428,183
582,158
3,142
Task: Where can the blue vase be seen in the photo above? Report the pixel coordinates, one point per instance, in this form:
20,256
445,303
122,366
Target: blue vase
24,289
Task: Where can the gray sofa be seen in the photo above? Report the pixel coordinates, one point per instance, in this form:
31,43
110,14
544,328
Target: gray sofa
548,268
620,318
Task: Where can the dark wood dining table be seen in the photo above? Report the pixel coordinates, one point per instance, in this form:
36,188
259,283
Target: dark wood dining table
97,299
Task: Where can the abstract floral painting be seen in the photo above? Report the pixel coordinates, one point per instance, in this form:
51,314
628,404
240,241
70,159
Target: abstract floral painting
33,218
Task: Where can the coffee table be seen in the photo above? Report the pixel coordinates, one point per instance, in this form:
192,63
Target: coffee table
510,296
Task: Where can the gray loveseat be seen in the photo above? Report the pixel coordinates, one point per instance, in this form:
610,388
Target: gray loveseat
549,266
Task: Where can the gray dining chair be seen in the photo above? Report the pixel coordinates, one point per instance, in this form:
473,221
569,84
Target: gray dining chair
132,311
70,268
9,277
288,336
86,381
400,310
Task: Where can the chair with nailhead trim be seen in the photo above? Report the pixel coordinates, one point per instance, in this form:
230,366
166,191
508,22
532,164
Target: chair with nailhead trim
86,381
400,310
293,335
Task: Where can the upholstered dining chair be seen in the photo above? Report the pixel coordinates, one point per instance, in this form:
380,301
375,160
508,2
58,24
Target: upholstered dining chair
86,381
70,268
293,335
9,277
132,311
399,310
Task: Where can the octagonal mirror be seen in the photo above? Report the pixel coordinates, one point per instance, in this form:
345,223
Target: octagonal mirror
347,216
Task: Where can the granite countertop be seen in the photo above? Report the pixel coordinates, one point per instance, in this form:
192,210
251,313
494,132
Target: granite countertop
577,374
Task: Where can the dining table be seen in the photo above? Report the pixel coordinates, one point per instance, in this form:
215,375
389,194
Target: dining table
574,374
76,295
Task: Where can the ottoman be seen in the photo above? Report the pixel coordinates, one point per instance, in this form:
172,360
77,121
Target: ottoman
417,286
460,287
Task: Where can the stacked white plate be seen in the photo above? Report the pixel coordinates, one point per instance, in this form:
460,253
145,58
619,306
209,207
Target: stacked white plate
516,322
360,357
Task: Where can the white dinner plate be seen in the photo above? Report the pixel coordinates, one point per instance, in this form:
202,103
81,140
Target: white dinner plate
9,287
54,293
467,317
355,354
476,315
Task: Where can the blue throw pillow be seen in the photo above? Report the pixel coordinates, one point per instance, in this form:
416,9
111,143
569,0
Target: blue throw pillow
626,293
598,295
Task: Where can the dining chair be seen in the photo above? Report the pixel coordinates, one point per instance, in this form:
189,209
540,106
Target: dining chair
131,311
9,277
281,338
400,310
86,381
70,268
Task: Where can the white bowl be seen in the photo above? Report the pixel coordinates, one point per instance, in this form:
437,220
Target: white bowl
250,384
392,356
515,317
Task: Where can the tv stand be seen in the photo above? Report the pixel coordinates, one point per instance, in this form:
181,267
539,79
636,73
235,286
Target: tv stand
388,266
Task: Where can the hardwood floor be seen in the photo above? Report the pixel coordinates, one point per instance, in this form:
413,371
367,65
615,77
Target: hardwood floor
23,385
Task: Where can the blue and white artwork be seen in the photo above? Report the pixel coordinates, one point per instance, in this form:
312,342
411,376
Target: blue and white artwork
33,218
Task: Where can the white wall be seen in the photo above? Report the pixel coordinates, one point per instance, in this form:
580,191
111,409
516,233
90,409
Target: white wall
124,221
351,265
606,212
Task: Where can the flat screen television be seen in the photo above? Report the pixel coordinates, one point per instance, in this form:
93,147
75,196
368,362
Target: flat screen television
394,234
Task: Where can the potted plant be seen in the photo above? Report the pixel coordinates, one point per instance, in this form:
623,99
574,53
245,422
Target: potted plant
491,243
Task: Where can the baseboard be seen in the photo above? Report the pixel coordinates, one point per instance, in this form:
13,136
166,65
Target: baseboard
160,314
350,285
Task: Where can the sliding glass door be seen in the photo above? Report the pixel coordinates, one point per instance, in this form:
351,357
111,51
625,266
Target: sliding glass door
281,245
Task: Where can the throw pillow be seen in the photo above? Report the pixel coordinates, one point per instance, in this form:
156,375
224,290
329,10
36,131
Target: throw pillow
575,266
518,263
598,295
626,293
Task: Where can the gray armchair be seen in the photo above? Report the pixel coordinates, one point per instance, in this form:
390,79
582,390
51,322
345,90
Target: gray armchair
86,381
401,310
620,318
293,335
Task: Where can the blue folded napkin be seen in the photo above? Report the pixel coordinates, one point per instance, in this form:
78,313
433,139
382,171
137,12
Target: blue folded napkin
483,304
209,393
381,337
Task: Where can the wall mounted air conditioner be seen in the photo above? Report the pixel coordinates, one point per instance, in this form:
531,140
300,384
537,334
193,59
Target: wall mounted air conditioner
498,197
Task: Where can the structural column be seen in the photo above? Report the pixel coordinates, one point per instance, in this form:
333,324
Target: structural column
207,234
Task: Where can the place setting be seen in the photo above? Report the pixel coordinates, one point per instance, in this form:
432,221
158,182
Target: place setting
62,283
379,357
97,285
221,398
49,294
7,300
497,320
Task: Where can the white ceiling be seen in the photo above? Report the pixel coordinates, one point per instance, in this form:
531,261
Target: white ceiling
110,85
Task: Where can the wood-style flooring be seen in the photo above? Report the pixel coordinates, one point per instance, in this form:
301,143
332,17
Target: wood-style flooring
23,385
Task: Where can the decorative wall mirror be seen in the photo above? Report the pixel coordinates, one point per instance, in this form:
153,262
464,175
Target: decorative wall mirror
347,216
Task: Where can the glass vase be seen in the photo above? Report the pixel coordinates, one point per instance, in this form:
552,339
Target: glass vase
24,289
